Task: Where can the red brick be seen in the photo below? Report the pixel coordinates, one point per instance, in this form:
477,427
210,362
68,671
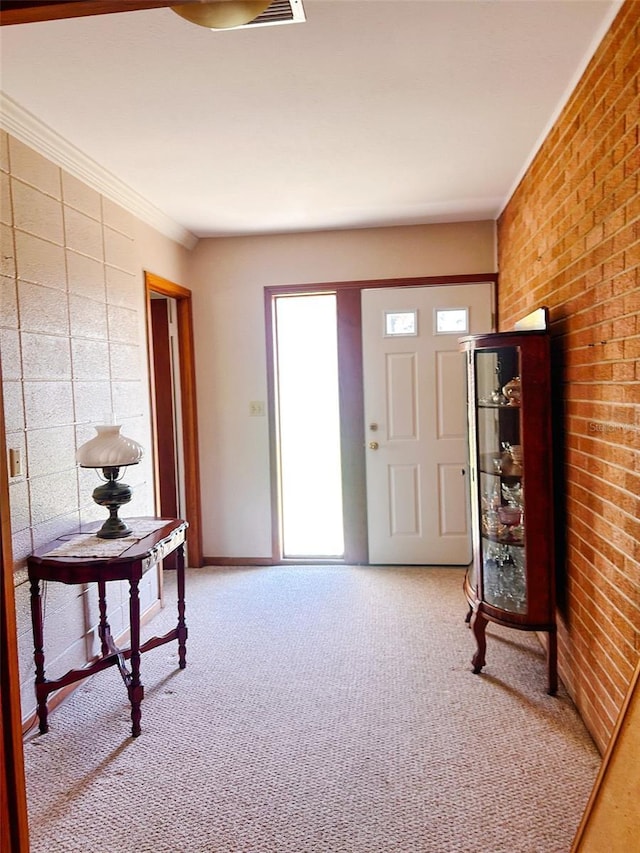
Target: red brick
573,244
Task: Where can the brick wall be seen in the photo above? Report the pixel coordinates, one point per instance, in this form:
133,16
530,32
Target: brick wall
568,238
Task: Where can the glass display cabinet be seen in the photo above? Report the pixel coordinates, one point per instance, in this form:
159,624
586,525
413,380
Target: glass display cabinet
512,578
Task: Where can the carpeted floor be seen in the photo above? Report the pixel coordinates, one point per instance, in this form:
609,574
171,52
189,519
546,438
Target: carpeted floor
322,709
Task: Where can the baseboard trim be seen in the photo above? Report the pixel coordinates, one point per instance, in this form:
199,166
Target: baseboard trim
239,561
57,698
269,561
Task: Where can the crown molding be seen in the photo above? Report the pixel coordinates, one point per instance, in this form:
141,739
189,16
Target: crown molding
28,129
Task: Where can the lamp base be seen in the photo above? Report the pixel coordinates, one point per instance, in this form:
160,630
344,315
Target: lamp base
113,528
112,494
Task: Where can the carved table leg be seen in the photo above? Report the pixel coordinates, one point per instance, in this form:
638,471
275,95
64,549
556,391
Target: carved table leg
182,625
135,688
38,656
104,629
478,626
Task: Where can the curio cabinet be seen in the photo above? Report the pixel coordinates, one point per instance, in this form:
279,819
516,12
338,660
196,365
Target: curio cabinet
511,579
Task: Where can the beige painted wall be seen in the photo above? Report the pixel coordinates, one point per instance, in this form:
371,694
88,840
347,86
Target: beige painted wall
228,276
73,346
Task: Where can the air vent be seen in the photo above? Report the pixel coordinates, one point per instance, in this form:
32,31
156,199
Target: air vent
279,12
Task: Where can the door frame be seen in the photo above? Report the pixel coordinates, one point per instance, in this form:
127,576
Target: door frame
351,397
184,315
162,309
14,834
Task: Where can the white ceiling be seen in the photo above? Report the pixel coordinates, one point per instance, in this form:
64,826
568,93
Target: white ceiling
373,112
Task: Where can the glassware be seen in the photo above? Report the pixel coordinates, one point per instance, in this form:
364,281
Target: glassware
513,494
504,577
511,459
512,391
510,515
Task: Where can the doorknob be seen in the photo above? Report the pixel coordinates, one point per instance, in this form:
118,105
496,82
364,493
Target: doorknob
373,445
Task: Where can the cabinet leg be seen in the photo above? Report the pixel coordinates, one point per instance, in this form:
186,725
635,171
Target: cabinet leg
38,657
478,626
182,625
552,662
135,688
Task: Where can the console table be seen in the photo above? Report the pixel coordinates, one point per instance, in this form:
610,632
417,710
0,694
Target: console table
81,558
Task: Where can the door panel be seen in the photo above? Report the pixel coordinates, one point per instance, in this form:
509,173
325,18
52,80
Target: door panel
450,389
451,496
404,499
414,390
401,395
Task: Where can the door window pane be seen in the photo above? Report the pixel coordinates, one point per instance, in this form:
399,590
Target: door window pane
451,321
400,323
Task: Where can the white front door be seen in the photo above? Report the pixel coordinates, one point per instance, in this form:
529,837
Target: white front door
415,420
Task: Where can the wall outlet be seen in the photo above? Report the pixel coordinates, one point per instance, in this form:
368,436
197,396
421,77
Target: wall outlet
15,462
256,409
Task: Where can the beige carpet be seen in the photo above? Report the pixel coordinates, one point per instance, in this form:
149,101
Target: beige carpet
322,709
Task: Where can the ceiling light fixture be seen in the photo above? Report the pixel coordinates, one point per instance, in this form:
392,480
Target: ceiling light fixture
222,14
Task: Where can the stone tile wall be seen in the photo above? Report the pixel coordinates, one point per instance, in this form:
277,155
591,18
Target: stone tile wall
73,349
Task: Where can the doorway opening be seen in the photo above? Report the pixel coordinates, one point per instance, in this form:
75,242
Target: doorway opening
308,426
355,441
168,425
173,405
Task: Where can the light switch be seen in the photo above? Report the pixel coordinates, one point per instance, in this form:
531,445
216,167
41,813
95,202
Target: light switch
256,409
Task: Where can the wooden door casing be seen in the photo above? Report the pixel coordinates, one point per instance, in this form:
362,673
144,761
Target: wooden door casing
188,409
162,370
14,833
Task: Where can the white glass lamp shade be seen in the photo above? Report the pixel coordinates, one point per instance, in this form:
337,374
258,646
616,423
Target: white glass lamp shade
109,449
